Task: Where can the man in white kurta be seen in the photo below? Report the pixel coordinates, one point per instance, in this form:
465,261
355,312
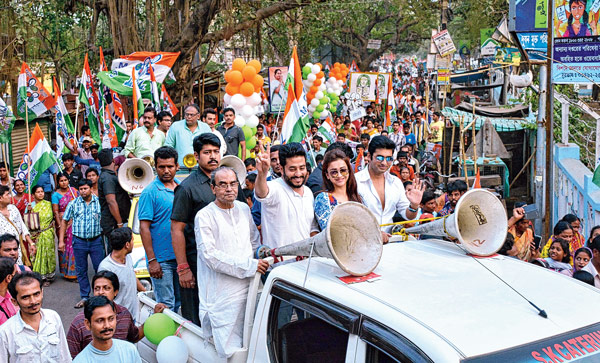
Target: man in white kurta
226,237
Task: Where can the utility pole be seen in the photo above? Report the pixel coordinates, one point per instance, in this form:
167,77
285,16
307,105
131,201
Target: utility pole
444,14
549,180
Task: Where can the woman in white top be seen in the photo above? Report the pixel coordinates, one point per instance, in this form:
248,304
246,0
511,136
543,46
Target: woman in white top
12,223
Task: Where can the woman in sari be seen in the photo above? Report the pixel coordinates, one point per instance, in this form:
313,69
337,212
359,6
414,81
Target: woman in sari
578,240
45,259
520,228
562,230
21,199
60,199
11,222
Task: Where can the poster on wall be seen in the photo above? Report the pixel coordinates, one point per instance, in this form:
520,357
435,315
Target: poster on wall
576,42
277,90
528,15
365,84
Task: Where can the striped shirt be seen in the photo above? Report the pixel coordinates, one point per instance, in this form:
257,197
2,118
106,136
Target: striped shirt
79,336
86,217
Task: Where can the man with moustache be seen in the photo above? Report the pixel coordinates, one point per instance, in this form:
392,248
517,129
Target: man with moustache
287,214
273,174
9,247
145,139
34,334
101,320
226,238
193,194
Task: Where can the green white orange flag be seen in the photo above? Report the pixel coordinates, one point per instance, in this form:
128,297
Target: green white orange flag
167,103
89,98
295,119
138,104
7,122
33,97
154,90
294,75
116,122
63,122
37,158
327,129
390,108
141,62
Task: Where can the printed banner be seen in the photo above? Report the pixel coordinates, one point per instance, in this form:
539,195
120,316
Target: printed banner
277,90
369,85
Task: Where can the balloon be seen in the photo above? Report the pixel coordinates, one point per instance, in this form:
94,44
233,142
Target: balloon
258,81
313,89
231,89
306,69
253,100
312,108
227,74
159,326
247,132
247,111
251,143
237,101
314,102
238,64
227,99
252,122
317,82
253,130
320,74
309,65
316,114
249,73
255,64
323,100
247,89
319,95
235,78
311,77
315,69
322,87
320,108
239,121
172,349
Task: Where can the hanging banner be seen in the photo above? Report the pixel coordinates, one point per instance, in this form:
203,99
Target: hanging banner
277,90
528,15
444,43
576,42
365,84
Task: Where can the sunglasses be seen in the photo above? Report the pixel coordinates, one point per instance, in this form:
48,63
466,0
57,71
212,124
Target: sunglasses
388,159
334,173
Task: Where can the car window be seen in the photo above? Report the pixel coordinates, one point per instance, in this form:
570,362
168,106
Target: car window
386,345
304,327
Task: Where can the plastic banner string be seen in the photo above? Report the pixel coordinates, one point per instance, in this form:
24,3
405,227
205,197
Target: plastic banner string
178,331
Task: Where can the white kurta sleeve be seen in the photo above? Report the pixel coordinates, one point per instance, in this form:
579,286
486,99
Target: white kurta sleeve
273,196
207,234
254,234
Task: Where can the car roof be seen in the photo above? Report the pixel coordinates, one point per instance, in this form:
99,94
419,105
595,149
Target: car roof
435,284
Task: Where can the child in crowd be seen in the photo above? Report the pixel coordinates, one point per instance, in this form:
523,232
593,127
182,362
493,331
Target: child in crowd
581,258
558,257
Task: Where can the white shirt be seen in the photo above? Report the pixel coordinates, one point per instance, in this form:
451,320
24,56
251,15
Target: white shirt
223,144
592,269
395,197
127,295
226,240
20,343
286,216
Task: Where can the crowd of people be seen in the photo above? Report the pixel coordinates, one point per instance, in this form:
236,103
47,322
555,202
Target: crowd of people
200,233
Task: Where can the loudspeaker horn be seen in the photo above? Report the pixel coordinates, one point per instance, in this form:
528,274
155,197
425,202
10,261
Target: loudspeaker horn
352,238
479,222
134,175
189,161
237,165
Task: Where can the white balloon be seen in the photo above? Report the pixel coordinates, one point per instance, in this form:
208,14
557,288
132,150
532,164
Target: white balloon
315,69
312,108
252,121
311,78
306,83
319,95
247,111
314,102
237,101
340,82
332,80
172,349
310,65
253,100
239,120
227,99
322,87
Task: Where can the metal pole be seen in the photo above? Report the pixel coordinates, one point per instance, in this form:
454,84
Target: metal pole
549,126
540,150
565,123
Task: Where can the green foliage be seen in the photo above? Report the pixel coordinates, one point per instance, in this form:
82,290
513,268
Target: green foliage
471,16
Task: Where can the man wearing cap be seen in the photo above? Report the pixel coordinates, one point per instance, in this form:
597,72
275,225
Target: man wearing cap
84,152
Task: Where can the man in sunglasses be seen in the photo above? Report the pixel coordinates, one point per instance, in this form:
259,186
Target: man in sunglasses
382,192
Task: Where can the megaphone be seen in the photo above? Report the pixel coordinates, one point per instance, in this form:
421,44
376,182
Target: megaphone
149,159
352,238
237,165
189,161
479,222
134,175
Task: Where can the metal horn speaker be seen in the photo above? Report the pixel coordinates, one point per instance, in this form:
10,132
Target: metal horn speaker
135,175
352,238
189,161
237,165
479,222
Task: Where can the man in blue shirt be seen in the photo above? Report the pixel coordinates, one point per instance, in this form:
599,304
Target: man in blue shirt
101,320
85,213
182,133
154,211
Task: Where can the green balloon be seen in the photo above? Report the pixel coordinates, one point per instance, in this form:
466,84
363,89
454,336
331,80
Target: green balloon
334,102
247,132
323,100
159,326
320,108
306,69
317,114
253,131
251,143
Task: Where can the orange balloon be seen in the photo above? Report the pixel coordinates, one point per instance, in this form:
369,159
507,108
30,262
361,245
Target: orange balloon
336,64
236,78
255,64
258,81
317,82
231,89
247,89
320,65
238,64
227,74
249,73
314,88
311,95
320,74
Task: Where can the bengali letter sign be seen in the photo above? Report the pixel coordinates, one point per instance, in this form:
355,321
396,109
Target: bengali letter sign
576,42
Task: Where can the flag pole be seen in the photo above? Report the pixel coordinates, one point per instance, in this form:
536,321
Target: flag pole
77,103
28,149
